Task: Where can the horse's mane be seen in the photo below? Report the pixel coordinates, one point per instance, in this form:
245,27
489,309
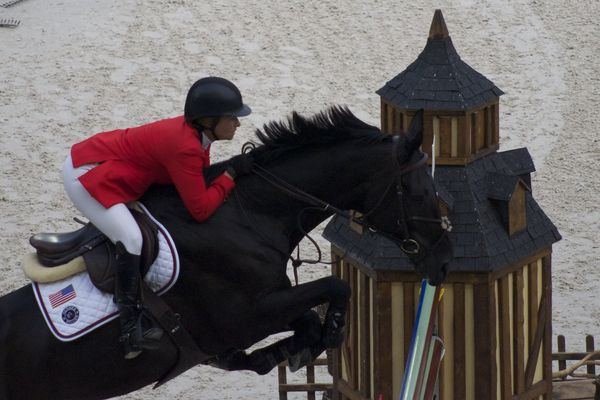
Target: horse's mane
331,126
334,125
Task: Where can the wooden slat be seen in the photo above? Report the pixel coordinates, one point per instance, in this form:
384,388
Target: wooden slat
347,352
460,362
398,121
408,120
365,336
547,346
305,387
353,328
563,356
532,300
518,332
589,347
481,129
391,114
427,131
464,135
445,137
496,121
336,367
318,362
488,126
282,377
561,346
310,381
383,116
409,316
473,122
310,387
484,303
504,339
534,350
383,340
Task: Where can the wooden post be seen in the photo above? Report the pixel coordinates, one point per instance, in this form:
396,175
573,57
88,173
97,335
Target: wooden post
504,339
282,381
589,347
383,336
460,380
484,303
547,348
519,332
562,364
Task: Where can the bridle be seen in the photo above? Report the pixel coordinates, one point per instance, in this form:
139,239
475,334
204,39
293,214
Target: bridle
410,246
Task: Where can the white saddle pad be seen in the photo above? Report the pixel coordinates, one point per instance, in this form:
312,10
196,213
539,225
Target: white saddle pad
74,307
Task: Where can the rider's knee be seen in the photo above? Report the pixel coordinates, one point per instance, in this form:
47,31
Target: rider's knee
133,242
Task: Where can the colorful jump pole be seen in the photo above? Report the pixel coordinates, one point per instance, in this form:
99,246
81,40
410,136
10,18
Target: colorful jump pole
426,349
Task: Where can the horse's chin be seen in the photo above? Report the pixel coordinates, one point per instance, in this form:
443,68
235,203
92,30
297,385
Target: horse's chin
432,270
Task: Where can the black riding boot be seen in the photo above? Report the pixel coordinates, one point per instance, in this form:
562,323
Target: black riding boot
137,330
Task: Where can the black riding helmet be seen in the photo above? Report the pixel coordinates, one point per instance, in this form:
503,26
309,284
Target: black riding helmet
214,97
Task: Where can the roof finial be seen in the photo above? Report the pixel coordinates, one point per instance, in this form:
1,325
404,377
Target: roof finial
438,28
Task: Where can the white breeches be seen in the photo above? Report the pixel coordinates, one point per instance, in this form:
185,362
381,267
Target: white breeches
115,222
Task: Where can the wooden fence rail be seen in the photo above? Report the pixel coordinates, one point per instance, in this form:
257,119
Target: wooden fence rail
589,359
569,383
310,387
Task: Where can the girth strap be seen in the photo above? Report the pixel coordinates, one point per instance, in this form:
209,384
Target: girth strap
188,353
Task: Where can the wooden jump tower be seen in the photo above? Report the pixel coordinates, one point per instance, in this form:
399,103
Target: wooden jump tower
495,317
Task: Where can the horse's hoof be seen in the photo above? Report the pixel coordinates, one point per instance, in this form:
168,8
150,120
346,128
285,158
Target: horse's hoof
305,357
300,359
333,334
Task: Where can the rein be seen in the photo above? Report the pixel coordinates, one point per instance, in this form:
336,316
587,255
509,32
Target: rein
408,245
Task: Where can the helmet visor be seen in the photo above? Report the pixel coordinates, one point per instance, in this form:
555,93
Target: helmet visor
243,111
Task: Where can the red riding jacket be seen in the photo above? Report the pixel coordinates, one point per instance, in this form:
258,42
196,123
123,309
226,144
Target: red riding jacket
168,151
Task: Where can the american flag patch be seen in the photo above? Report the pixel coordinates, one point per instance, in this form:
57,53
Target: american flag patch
62,296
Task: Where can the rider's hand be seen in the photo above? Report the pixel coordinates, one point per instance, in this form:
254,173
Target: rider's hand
240,165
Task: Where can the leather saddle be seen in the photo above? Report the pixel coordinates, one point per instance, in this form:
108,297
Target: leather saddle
55,249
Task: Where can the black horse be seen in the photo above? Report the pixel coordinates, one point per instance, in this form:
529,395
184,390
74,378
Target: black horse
233,290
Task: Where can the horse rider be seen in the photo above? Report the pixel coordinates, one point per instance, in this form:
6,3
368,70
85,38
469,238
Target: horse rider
108,170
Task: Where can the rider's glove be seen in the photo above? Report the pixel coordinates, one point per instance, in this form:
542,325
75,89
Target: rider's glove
240,165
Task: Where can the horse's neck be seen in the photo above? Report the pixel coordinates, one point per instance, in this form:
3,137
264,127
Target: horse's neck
336,178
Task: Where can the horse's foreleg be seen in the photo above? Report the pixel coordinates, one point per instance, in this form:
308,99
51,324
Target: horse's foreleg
288,303
291,309
278,310
307,332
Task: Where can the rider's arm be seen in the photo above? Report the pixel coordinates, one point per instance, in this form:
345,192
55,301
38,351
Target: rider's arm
185,169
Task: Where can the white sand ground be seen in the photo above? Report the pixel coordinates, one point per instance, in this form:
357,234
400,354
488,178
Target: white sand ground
76,67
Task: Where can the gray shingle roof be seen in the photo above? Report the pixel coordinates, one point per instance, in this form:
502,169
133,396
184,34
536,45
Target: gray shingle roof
481,242
439,80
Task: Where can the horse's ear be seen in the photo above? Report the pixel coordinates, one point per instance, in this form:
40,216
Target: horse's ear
415,132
